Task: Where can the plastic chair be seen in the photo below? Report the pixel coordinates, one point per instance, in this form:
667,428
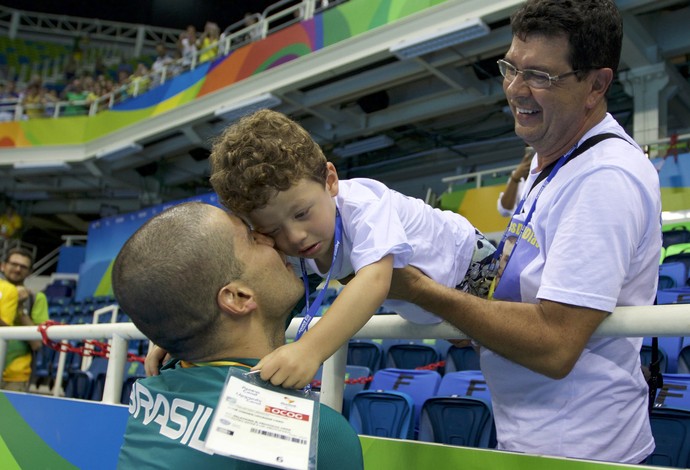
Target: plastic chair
127,388
419,384
675,392
675,236
463,358
676,271
458,421
679,253
383,414
646,357
79,384
684,360
351,389
411,355
42,366
671,346
671,430
678,295
468,383
364,353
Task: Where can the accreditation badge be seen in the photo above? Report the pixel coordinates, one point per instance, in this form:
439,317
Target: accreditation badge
261,423
519,248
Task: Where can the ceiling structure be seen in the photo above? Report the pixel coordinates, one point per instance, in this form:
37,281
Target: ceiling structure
439,114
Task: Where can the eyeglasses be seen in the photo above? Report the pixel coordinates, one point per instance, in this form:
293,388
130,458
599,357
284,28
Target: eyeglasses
22,267
533,78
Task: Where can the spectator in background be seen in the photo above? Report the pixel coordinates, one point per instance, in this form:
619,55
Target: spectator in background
33,101
186,44
139,81
8,306
176,66
10,223
508,199
8,100
94,94
32,310
161,65
76,95
207,44
253,33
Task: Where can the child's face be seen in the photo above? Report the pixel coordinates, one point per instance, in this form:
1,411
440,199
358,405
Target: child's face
301,220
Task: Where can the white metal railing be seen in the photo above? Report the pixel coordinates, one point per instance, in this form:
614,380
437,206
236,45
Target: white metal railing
477,175
659,320
660,148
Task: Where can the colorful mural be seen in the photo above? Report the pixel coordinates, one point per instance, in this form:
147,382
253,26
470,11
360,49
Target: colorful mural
327,28
58,433
106,237
65,434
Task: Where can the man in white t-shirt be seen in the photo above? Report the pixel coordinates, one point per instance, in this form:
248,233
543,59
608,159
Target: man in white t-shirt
588,240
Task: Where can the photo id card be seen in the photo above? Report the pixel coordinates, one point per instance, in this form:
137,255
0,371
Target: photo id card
261,423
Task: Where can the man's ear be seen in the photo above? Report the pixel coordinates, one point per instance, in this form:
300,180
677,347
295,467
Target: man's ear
236,299
601,81
331,180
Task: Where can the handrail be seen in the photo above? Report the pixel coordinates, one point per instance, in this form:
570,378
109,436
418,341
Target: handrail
658,320
477,174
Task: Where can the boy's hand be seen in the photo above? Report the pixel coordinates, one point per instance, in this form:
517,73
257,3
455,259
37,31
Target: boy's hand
154,359
289,366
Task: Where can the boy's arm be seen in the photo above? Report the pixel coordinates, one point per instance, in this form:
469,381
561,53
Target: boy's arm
294,365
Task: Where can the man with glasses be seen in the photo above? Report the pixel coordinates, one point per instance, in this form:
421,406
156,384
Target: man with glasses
588,239
31,309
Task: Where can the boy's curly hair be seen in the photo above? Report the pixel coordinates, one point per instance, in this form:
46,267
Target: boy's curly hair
260,155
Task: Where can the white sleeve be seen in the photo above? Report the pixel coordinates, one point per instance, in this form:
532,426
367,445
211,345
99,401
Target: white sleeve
375,229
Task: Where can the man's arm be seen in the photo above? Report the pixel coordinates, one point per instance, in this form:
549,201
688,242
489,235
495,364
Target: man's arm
547,337
510,195
38,315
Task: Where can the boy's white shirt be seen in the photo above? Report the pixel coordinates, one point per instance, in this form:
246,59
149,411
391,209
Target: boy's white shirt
378,221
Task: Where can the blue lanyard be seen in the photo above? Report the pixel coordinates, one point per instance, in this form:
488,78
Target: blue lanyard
312,309
561,161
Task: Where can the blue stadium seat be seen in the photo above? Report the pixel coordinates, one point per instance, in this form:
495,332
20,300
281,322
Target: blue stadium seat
679,295
468,383
79,384
646,357
676,272
684,360
419,384
351,389
671,346
679,253
671,430
675,236
411,355
461,358
383,414
364,353
127,388
674,393
458,421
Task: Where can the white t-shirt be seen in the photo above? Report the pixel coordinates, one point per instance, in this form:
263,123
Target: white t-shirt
378,221
593,241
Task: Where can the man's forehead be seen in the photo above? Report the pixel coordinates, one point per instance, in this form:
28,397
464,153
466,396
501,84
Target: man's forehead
19,258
